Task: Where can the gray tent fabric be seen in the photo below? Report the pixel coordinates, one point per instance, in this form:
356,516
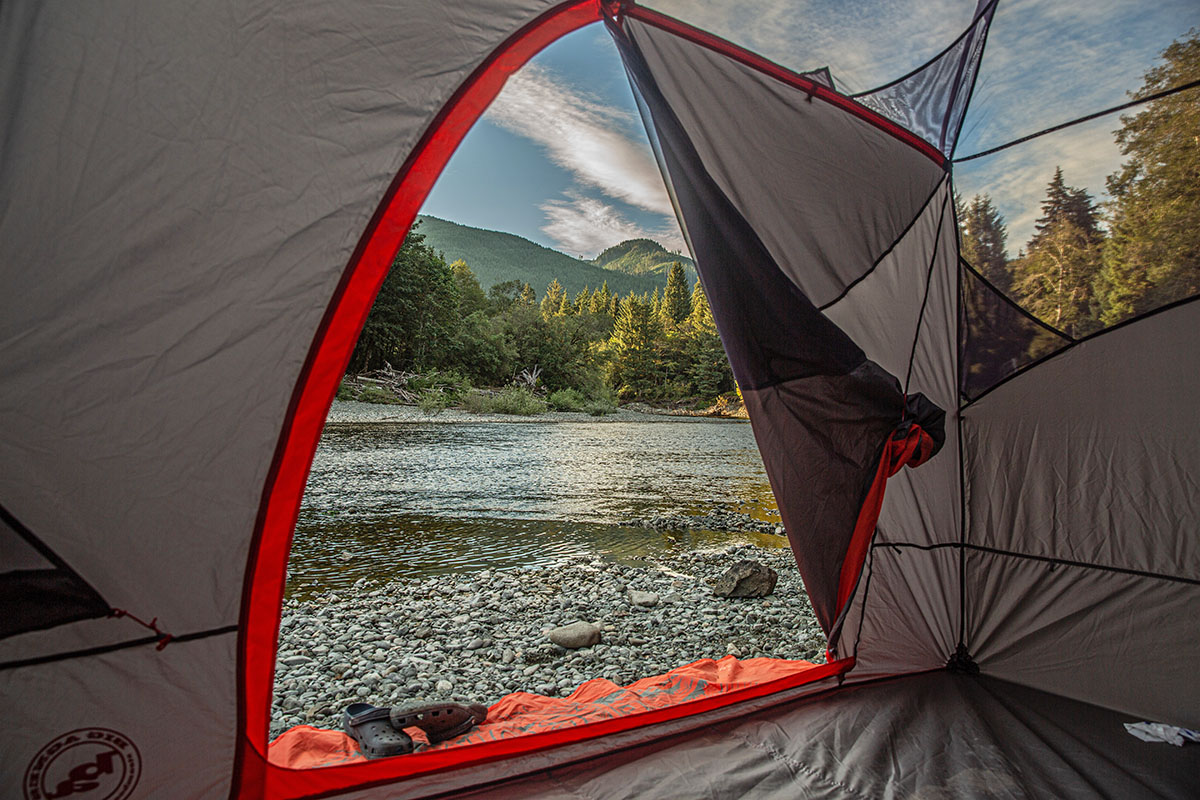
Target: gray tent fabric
187,190
1099,561
932,735
882,181
37,588
181,189
812,394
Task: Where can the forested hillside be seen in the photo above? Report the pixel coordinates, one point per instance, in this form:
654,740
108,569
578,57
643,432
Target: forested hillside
498,257
643,257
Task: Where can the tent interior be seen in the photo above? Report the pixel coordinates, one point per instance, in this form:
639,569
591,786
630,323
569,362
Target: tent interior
989,484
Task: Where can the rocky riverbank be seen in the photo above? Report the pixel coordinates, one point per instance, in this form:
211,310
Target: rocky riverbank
716,520
476,637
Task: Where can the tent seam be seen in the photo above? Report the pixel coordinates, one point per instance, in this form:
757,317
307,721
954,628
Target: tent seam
1045,559
960,351
933,257
110,648
904,233
1080,120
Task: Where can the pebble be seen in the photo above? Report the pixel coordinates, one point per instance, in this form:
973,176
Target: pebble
649,599
457,637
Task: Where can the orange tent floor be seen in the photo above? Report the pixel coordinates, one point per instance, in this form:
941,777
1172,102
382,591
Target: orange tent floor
521,713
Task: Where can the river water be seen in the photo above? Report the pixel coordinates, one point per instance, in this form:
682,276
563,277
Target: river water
434,495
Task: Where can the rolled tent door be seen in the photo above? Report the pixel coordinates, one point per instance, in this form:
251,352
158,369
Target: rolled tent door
790,196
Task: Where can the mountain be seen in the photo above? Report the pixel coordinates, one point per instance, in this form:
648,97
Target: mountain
496,257
643,257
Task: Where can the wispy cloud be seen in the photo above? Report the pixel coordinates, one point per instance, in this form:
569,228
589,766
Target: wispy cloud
594,142
863,44
1016,179
583,226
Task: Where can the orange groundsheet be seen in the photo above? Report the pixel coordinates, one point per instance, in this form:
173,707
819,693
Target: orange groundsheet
305,747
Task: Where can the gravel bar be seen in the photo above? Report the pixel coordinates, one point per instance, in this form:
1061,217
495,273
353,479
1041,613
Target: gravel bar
476,637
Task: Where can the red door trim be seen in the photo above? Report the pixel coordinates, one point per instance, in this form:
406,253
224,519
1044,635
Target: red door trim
784,75
328,356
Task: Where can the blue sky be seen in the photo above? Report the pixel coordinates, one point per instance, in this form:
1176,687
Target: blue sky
561,157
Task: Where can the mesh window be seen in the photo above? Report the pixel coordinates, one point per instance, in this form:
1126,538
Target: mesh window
997,338
930,101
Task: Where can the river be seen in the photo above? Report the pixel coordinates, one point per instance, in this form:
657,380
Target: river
429,495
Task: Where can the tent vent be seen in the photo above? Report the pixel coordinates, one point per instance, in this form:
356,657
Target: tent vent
962,661
38,589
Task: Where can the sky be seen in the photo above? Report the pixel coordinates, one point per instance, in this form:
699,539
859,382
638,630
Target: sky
561,157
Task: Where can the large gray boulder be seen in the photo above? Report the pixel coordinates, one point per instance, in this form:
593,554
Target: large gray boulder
746,578
575,635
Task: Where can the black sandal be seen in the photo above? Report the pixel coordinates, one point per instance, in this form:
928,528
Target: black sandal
439,721
369,726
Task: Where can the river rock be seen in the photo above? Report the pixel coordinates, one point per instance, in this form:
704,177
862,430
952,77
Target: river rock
575,635
746,578
411,624
648,599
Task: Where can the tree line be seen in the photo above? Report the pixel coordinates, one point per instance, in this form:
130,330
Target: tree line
431,316
1088,266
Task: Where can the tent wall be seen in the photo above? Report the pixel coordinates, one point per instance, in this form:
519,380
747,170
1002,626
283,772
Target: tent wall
183,190
1088,463
779,170
905,311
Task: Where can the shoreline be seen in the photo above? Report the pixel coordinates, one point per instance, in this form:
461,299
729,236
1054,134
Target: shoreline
475,637
351,412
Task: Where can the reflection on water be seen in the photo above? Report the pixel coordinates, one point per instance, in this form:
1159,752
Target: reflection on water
404,500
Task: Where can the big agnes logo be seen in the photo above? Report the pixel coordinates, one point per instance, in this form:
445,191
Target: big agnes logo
88,764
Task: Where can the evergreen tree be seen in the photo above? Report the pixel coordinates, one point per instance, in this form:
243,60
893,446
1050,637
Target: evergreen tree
527,297
470,294
601,300
1054,279
1152,256
676,304
415,317
553,299
983,241
708,370
503,295
582,301
655,306
633,368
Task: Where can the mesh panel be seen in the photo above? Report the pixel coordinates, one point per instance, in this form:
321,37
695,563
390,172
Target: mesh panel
931,101
997,337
